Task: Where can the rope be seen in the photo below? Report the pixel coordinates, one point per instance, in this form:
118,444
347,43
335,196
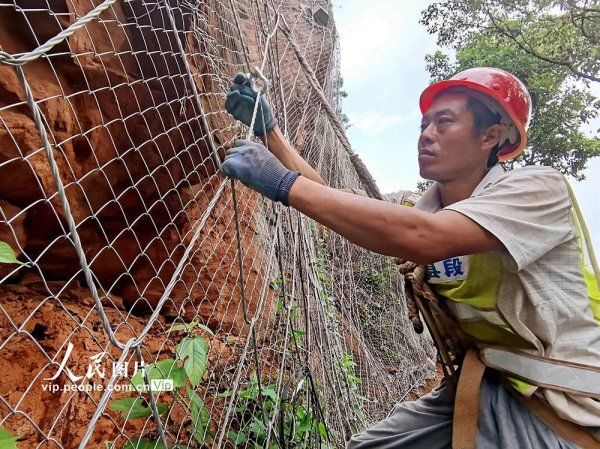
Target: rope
258,74
104,399
73,234
361,170
211,139
448,338
407,269
242,357
153,406
23,58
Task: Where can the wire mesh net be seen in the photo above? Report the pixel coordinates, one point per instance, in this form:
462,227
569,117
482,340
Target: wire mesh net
154,303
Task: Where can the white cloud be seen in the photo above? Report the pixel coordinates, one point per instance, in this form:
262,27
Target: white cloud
382,55
374,36
374,122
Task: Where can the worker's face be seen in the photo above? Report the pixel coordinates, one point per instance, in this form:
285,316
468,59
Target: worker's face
448,145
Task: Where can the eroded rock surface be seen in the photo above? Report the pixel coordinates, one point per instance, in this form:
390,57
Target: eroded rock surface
139,174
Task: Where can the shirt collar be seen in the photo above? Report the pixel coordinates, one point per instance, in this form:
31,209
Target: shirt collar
491,176
431,200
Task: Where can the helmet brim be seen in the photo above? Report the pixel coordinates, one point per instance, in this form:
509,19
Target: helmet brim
509,151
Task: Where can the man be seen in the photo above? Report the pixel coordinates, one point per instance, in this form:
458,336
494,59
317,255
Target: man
502,249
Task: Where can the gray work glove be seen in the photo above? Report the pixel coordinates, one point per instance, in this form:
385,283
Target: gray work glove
258,169
240,103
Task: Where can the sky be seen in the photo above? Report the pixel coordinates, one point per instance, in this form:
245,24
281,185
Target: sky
383,50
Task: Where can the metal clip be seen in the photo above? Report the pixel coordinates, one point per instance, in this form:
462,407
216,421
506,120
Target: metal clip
257,75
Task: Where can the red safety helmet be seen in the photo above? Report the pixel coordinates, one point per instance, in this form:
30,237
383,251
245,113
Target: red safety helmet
505,89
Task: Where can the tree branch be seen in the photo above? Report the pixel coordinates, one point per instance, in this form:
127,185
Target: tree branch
530,50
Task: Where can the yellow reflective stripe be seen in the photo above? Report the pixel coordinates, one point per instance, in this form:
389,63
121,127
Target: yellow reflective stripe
473,302
522,387
412,199
593,292
489,333
591,272
590,279
481,287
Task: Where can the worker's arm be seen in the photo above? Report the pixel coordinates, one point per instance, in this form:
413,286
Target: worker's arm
281,148
382,227
391,229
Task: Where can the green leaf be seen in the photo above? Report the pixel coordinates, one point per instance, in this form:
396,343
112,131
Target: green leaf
8,440
225,394
7,255
163,369
134,408
190,327
179,327
322,430
194,353
200,417
258,429
142,443
237,438
270,392
298,334
305,423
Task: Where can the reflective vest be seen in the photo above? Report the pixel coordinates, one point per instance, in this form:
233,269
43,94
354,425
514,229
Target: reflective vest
470,285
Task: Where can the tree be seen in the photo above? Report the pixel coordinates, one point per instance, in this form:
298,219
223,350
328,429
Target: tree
340,88
423,185
562,103
564,33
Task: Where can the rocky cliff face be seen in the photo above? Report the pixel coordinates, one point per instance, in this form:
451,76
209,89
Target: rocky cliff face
141,180
129,146
138,173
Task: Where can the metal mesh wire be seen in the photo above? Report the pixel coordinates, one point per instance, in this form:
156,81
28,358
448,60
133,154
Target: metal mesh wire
273,331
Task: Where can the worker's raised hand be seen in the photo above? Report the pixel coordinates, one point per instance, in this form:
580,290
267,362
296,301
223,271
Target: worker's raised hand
240,103
258,169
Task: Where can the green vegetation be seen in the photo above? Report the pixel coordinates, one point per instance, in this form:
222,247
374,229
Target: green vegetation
344,364
193,352
7,255
348,371
554,54
257,406
291,420
563,34
8,440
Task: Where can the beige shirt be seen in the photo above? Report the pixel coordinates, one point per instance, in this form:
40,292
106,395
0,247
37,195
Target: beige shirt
543,295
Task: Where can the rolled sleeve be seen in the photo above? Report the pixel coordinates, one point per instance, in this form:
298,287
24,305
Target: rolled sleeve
528,210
